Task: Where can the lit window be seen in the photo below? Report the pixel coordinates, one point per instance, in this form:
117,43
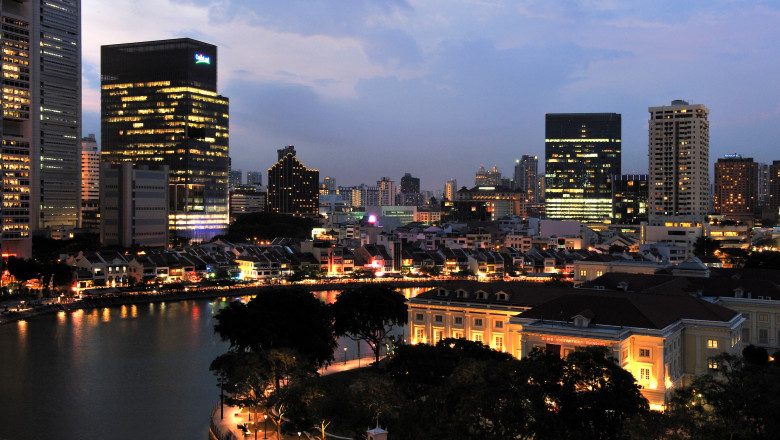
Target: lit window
712,343
644,374
712,364
499,343
478,337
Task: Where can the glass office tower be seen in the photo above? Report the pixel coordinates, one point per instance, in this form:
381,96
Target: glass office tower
582,153
159,106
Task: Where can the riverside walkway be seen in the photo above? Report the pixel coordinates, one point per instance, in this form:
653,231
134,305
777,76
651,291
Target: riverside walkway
226,423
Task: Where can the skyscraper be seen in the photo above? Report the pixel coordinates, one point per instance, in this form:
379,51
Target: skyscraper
582,153
629,199
387,191
526,170
159,106
410,191
485,177
763,185
292,188
235,179
736,187
451,189
254,178
679,155
41,128
90,183
774,187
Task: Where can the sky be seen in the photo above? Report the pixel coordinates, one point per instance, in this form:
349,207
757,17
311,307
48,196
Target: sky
371,88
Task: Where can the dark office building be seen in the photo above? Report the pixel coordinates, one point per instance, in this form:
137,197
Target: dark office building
159,106
582,153
292,188
629,199
410,191
526,170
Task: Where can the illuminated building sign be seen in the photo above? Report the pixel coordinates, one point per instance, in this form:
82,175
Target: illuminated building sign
733,156
567,340
202,59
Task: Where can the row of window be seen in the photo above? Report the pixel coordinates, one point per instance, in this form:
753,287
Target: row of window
458,320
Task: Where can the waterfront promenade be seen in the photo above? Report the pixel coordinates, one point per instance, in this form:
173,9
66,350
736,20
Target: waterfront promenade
227,422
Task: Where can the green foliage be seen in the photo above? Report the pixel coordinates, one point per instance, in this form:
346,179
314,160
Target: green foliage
267,226
369,313
705,247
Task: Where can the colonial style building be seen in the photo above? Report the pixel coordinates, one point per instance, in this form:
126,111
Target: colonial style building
663,340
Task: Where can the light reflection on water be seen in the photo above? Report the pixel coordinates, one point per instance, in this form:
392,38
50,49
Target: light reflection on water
126,372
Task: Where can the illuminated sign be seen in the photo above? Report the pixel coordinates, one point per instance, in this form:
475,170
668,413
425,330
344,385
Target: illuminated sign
733,156
202,59
569,340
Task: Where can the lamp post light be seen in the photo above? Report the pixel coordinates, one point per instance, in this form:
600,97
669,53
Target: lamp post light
299,435
345,355
265,426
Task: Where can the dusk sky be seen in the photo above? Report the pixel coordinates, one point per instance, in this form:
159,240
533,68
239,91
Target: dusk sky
366,89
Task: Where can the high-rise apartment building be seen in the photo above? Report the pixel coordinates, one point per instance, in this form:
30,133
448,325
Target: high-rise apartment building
451,189
235,179
90,183
736,187
159,106
763,185
526,171
254,178
292,188
582,153
387,191
679,155
629,199
41,128
774,187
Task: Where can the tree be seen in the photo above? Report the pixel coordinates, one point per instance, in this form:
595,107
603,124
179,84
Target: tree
705,247
282,319
740,399
245,375
369,313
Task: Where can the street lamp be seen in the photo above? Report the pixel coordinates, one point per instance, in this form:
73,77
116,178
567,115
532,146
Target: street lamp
265,427
299,435
345,355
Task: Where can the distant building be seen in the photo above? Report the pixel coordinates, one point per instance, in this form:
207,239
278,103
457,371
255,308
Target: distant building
498,201
90,183
410,191
736,187
160,106
246,199
450,189
254,178
485,177
386,191
763,185
679,151
774,187
629,199
292,188
582,153
235,178
133,205
526,175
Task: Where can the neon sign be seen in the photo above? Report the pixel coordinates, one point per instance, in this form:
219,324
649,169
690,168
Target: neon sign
202,59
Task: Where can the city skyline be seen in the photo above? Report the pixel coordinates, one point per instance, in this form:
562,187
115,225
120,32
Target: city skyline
461,85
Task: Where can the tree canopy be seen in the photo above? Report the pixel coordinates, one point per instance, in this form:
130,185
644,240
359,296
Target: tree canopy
281,319
368,313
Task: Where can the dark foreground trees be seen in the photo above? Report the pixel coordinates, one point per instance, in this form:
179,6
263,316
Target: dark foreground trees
369,313
739,400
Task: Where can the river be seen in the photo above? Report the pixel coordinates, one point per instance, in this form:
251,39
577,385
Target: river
131,372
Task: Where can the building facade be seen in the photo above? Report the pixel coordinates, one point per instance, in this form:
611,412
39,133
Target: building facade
41,130
90,183
736,187
629,199
254,178
774,187
160,106
679,158
450,189
292,188
582,153
526,177
133,205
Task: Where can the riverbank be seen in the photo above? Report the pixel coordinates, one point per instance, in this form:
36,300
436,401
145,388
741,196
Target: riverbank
117,299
